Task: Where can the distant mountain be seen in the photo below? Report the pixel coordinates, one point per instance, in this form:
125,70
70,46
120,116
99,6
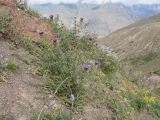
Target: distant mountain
103,19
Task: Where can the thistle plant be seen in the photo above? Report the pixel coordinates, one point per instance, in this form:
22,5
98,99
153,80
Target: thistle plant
71,61
68,57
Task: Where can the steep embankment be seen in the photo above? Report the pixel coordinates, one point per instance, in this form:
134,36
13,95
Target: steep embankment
26,23
20,91
79,81
139,44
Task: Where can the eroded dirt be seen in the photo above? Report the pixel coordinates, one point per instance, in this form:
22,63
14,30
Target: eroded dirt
20,93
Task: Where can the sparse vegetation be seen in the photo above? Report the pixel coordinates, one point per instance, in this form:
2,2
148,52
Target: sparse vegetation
6,117
23,6
52,117
119,109
2,78
144,58
12,67
4,23
64,59
33,12
133,99
69,61
80,74
157,72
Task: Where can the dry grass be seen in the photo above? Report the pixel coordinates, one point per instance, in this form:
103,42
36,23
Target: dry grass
8,2
24,23
29,25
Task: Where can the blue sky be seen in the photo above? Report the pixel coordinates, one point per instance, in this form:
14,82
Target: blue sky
127,2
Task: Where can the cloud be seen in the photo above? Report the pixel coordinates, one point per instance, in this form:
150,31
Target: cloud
127,2
131,2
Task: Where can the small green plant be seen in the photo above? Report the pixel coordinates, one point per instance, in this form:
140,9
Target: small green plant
4,23
138,104
22,4
6,117
32,12
109,66
119,108
12,67
157,72
26,42
110,84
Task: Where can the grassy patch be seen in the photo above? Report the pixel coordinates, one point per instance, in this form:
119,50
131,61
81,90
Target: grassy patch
157,72
141,60
12,67
119,109
4,23
27,43
6,117
109,66
130,99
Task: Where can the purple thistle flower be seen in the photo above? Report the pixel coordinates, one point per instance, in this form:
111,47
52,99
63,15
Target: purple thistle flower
81,19
72,97
78,36
62,23
86,66
41,33
54,40
97,62
51,17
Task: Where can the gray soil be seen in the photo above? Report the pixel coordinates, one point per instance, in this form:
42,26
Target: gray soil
20,93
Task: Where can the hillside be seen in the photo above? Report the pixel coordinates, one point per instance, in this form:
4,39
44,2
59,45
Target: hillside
139,44
103,19
48,72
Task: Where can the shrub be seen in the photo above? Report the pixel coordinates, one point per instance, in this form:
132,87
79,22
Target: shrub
4,23
109,66
65,58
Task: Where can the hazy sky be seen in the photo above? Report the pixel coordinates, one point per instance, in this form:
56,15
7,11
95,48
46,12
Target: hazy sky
128,2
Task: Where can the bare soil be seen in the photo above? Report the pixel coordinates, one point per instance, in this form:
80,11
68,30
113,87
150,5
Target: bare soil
20,93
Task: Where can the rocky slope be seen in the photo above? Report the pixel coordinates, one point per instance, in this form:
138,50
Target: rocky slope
20,91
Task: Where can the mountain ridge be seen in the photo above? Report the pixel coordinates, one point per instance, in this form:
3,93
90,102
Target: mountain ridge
138,46
103,18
